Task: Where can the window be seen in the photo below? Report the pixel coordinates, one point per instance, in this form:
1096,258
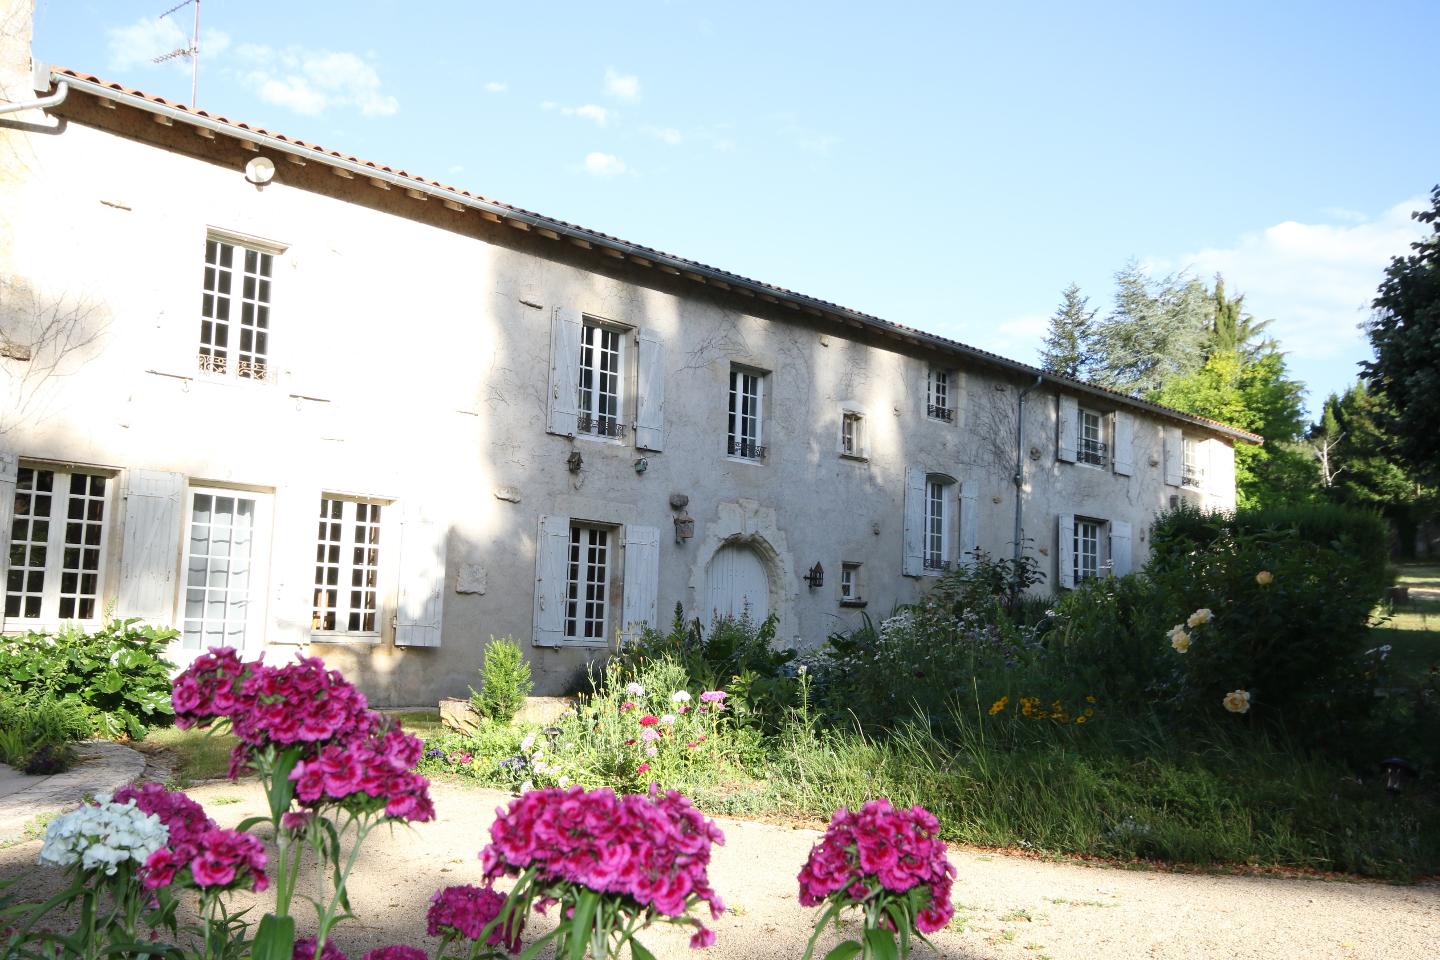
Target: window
57,545
1090,431
937,403
347,566
1087,548
852,439
220,558
588,583
937,524
850,584
745,439
601,362
1192,474
231,345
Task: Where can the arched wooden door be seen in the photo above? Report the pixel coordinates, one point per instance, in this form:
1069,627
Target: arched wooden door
738,583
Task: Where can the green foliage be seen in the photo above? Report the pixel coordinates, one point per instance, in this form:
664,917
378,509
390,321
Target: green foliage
35,736
1256,395
1157,330
1234,330
1070,347
1405,335
119,673
732,647
505,681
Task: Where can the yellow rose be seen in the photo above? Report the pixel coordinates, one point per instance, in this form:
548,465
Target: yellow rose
1203,615
1180,640
1237,701
1264,578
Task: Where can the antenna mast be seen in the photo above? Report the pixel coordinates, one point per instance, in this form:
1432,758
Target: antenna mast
191,53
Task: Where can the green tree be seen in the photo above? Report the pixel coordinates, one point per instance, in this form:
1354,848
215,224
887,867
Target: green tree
1158,330
1353,439
1235,331
1405,334
1070,345
1258,396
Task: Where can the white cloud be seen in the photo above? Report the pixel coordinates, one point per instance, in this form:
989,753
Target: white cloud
599,164
1019,337
496,86
138,44
1315,279
589,111
548,105
311,81
623,86
666,135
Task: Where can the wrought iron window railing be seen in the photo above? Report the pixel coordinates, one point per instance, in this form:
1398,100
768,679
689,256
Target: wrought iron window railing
746,449
600,426
940,412
1192,477
1092,451
935,563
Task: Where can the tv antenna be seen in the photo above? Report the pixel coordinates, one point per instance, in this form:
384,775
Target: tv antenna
191,53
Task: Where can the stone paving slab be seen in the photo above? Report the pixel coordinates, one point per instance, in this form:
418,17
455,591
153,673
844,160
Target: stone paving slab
100,767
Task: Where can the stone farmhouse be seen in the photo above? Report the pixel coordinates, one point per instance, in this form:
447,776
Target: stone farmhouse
286,399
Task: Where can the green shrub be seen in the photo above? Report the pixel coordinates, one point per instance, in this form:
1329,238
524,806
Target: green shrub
504,681
732,647
119,673
35,737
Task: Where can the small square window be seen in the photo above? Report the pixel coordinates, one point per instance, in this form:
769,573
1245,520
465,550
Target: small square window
852,436
850,585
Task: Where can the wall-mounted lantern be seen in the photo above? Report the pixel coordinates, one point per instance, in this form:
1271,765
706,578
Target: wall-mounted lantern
684,527
574,462
816,576
641,465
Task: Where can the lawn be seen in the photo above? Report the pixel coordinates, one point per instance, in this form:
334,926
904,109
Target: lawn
1413,629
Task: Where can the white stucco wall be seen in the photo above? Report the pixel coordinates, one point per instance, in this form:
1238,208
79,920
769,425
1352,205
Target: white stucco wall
412,345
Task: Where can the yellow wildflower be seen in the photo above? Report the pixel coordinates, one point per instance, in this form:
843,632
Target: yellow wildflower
1237,701
1264,578
1082,719
1090,699
999,705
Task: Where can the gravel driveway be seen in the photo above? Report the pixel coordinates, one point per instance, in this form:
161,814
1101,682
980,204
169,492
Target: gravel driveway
1008,907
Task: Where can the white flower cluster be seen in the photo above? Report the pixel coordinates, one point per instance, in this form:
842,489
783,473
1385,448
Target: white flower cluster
103,836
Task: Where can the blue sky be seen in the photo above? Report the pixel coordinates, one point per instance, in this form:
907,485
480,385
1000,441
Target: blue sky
950,166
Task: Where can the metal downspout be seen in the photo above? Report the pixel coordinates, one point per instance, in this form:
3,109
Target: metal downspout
1019,477
62,90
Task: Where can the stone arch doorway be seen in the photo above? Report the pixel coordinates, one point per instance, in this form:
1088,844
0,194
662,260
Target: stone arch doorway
737,583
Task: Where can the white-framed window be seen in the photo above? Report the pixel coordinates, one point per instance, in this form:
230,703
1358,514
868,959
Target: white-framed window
1192,474
235,311
939,494
852,434
938,405
600,400
58,540
587,592
347,566
1090,438
1087,548
850,587
223,597
745,437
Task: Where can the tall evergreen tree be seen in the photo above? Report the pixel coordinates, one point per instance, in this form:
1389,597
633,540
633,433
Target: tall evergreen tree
1235,331
1070,346
1158,330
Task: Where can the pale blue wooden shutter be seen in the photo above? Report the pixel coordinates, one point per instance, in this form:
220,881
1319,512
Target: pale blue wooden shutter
292,564
1065,554
9,471
969,524
913,564
150,550
650,398
1065,428
565,329
552,548
1120,560
642,580
1123,454
420,600
1174,455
